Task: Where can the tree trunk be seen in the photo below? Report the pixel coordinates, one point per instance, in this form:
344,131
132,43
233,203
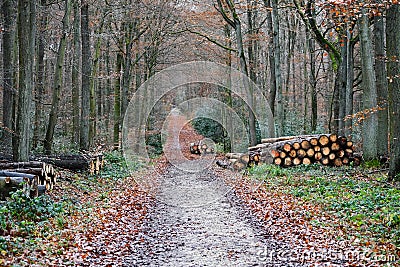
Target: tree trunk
313,82
48,142
381,85
393,70
86,78
108,91
228,91
348,124
307,14
40,84
369,90
75,73
340,101
94,86
8,12
126,75
26,42
271,59
117,101
279,111
14,181
235,23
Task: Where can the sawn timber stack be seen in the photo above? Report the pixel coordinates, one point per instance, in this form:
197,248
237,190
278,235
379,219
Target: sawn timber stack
325,149
45,172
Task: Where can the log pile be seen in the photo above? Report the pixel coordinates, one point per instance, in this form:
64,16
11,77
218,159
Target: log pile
200,148
325,149
240,161
80,162
11,181
45,173
37,176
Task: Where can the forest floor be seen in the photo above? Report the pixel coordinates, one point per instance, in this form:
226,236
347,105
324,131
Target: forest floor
171,214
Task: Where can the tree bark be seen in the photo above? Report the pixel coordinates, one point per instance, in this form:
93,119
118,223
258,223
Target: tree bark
381,85
94,85
40,85
126,75
393,70
26,42
75,73
279,111
369,128
271,59
86,78
8,12
53,116
313,82
117,101
348,123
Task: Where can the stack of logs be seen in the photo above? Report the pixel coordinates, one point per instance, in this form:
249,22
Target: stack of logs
80,162
34,177
326,149
200,148
240,161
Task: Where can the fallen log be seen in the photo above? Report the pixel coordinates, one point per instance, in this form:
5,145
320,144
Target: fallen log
12,181
239,165
17,165
286,138
233,155
77,162
44,171
240,161
34,171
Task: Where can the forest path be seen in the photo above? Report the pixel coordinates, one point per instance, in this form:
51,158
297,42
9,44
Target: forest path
197,220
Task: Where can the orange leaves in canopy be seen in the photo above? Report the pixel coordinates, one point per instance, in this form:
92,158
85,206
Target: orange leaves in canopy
365,114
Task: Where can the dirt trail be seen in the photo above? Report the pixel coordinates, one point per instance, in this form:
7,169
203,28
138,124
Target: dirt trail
197,220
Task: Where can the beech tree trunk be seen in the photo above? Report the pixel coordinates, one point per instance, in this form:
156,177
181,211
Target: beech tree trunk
8,12
313,82
393,70
86,77
348,123
26,42
95,92
117,101
40,84
370,123
381,85
76,68
279,110
48,142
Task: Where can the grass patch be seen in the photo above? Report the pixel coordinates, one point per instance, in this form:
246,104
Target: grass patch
368,207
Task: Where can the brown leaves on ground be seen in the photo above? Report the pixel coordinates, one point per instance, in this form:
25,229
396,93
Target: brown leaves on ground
100,228
106,235
290,220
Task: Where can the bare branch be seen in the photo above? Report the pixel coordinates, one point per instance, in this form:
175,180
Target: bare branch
208,39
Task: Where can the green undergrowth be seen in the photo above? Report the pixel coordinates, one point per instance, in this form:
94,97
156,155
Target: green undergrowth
117,167
26,223
360,198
